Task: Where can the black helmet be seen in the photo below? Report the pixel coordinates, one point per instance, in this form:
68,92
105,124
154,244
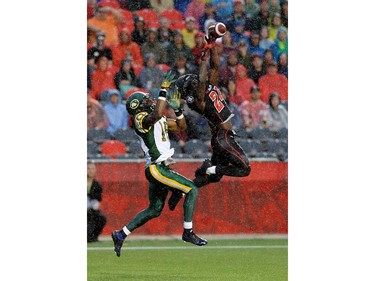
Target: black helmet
186,84
139,101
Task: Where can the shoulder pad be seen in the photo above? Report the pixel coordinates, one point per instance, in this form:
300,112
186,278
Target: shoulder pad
138,119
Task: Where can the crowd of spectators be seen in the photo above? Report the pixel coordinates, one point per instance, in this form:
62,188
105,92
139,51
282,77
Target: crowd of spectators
131,44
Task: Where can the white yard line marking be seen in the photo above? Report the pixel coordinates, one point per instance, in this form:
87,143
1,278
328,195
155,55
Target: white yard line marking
190,247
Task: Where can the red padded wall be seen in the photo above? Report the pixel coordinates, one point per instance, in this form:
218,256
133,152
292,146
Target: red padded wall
255,204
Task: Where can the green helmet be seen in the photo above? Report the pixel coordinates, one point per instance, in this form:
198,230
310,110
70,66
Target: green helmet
138,102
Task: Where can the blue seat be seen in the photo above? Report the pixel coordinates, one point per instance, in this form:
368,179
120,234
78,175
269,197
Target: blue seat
279,148
134,149
125,135
262,134
98,135
250,147
282,134
92,149
196,148
176,146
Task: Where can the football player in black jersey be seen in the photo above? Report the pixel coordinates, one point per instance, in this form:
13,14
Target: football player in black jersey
204,97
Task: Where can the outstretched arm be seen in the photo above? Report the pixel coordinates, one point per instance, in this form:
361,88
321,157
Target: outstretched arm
214,67
155,115
202,83
162,100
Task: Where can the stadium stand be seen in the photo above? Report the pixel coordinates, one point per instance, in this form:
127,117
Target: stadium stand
98,135
257,142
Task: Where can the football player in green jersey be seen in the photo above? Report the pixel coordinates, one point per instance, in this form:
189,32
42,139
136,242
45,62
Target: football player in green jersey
152,129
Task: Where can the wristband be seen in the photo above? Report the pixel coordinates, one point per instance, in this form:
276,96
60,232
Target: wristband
180,116
162,93
178,112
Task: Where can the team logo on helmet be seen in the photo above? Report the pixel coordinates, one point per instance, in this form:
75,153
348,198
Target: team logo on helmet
134,104
189,99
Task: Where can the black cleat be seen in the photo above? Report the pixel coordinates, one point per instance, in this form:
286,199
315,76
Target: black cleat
201,171
193,238
174,199
117,242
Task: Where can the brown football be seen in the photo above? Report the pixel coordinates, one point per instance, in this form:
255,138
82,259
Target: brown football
217,30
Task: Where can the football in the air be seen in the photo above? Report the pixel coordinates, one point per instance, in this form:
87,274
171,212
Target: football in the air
217,30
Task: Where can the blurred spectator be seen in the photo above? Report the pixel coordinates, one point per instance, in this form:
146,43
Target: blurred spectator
243,55
236,119
105,20
273,82
243,83
282,64
127,49
136,5
238,33
95,218
181,5
98,49
125,78
228,71
238,15
139,34
251,8
151,76
254,44
181,67
261,19
188,33
178,47
153,46
253,110
228,45
232,92
273,7
208,16
199,44
284,12
274,26
278,116
281,41
116,112
96,117
110,3
102,77
257,68
220,49
265,42
165,33
269,56
224,9
195,9
160,6
91,7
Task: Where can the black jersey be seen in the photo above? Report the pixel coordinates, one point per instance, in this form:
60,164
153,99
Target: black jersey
216,110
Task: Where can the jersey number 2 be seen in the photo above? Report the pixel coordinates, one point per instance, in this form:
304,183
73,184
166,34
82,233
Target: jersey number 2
217,99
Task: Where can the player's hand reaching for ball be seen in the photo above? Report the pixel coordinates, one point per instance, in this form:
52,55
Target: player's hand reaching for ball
168,80
174,99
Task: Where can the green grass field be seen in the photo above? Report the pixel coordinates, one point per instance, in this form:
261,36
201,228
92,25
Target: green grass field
172,260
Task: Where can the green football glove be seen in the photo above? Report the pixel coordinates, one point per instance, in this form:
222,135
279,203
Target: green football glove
168,80
174,99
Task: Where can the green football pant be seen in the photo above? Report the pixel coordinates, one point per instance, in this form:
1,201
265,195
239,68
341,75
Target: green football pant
162,179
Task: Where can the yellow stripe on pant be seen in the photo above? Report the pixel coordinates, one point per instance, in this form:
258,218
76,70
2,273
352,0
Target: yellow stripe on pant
167,181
